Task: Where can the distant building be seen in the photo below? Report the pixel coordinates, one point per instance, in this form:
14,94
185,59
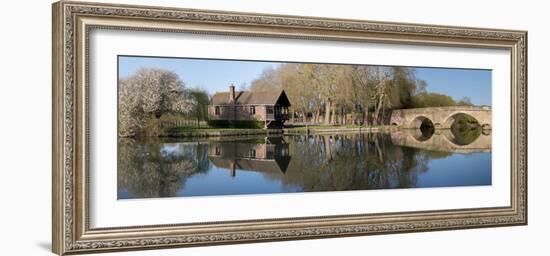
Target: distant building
269,107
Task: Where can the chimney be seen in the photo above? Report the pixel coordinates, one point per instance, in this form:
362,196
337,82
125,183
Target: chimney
232,93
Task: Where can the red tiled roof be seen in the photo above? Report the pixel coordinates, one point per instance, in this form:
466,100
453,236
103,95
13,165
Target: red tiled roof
244,97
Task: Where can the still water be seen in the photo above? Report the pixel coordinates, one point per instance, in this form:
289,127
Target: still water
301,163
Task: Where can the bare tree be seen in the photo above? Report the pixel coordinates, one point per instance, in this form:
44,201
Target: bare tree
334,91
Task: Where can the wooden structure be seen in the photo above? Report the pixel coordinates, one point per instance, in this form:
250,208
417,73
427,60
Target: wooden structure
270,107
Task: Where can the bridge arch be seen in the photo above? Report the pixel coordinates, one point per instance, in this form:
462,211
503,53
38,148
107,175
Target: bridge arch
421,136
451,119
441,117
424,128
420,121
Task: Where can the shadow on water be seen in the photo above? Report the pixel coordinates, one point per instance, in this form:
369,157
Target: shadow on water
427,130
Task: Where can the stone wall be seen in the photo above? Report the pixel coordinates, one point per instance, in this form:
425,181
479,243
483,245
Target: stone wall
441,117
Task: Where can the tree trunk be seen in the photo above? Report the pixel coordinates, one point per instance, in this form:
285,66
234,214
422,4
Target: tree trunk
343,117
366,118
327,111
328,151
317,114
377,111
378,150
333,116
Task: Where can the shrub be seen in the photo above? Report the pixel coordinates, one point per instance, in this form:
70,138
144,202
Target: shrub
250,124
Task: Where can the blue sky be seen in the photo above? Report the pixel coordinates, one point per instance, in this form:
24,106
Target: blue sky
458,83
216,75
212,75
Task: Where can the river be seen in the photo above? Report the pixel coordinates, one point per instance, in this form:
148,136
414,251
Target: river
154,168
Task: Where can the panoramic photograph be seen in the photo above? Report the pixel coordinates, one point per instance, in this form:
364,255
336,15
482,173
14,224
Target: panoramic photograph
211,127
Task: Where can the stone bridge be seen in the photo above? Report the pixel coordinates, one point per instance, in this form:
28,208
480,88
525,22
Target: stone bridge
440,117
442,140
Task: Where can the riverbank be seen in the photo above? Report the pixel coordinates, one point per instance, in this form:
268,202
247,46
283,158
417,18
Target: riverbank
215,132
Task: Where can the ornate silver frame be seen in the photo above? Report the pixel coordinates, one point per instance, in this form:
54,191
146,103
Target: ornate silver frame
72,21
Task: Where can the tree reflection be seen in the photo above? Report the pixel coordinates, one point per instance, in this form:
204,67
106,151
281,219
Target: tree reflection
464,135
332,162
353,162
153,168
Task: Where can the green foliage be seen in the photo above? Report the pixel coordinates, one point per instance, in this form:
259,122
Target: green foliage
466,129
250,124
174,130
466,120
465,135
200,95
424,100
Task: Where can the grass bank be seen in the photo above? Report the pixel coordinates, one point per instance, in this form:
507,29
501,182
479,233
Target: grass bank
214,132
313,129
320,129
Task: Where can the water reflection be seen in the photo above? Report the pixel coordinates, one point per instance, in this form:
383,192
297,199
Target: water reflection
448,140
267,155
155,168
303,163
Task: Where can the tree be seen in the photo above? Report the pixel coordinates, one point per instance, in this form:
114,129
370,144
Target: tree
296,82
200,95
145,96
334,90
243,87
363,93
268,80
383,92
145,170
424,100
465,101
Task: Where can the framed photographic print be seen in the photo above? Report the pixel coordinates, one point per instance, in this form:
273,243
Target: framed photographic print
179,127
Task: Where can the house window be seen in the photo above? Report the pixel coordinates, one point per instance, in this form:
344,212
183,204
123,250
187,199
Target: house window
217,151
217,110
269,109
252,110
252,153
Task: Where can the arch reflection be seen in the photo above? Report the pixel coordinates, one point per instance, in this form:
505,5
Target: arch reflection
448,140
296,163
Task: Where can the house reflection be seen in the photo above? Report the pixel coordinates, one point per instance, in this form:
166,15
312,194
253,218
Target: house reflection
269,155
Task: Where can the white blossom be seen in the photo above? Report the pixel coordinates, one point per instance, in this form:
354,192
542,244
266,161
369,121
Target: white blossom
146,96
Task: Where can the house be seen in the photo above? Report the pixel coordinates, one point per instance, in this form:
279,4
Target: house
269,108
271,155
